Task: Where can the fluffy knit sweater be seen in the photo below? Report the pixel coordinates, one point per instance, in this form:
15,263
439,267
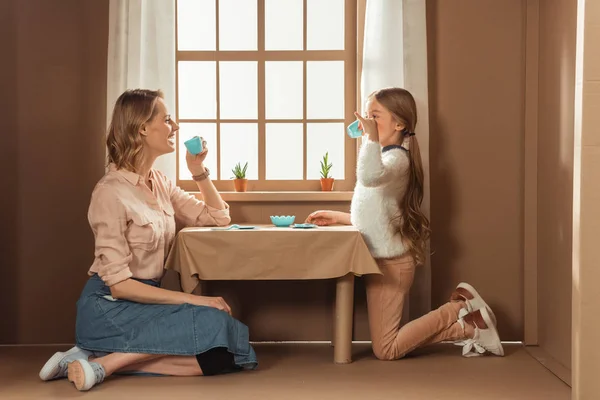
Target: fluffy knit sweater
382,179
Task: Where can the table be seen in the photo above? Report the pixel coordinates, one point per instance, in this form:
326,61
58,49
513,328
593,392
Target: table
273,253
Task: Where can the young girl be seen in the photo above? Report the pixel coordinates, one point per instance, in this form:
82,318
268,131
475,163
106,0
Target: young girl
386,210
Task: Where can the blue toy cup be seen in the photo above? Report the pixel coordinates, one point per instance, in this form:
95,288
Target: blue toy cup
353,130
194,145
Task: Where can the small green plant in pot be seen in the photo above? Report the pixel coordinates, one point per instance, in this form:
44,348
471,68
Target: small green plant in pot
240,182
326,179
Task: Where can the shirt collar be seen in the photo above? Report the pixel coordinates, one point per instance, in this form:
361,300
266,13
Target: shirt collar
132,177
392,146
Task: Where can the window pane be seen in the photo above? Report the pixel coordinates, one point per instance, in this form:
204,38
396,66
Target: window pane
196,25
238,89
325,89
283,89
238,25
197,90
284,151
283,24
322,138
239,144
325,25
209,133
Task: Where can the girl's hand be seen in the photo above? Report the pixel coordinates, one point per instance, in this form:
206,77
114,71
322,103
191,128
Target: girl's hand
215,302
195,163
368,126
322,218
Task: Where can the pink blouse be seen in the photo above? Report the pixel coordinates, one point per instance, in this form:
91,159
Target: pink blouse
134,226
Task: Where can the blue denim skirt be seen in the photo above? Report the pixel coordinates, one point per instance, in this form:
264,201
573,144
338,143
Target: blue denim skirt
108,325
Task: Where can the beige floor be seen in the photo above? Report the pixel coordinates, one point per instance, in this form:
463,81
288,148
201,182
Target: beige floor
306,371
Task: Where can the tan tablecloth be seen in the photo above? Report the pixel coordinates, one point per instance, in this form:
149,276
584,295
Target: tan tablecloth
269,253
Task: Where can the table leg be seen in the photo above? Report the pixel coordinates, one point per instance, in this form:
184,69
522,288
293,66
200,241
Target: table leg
200,289
334,319
342,351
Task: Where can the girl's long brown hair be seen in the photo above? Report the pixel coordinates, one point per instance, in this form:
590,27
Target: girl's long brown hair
411,223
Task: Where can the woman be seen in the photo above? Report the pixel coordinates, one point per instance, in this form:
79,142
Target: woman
125,321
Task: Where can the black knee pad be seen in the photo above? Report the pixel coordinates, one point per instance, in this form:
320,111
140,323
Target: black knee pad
216,361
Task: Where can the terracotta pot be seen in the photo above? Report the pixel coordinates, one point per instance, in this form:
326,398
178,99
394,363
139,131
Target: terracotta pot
326,184
240,185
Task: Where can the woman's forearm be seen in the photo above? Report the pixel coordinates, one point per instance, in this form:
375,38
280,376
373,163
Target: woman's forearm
139,292
210,194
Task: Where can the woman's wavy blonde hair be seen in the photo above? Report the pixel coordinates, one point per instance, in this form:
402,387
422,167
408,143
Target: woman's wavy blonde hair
132,109
410,223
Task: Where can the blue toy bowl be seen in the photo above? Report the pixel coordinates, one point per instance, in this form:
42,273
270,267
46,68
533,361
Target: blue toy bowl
283,220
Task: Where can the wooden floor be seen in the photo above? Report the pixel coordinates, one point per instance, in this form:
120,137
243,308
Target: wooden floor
306,371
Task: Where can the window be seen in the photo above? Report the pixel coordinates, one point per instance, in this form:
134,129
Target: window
271,83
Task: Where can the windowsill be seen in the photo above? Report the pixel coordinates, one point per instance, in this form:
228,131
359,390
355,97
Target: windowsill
254,196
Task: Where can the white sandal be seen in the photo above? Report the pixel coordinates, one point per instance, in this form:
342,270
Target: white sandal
483,340
476,302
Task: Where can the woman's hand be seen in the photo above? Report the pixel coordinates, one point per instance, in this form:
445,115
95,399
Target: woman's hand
323,218
195,163
215,302
369,127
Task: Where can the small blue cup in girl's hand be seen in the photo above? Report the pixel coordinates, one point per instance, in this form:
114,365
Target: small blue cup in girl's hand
353,130
194,145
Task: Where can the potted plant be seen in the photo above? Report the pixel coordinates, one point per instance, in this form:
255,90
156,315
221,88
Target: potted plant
240,182
326,180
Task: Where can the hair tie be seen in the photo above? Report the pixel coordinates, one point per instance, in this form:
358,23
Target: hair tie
407,133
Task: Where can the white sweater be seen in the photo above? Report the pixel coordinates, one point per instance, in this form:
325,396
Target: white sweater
382,178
